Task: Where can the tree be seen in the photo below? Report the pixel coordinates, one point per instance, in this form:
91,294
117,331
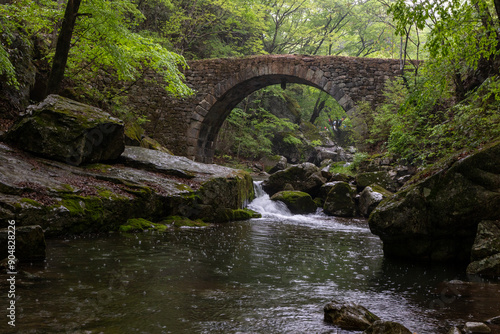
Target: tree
63,46
463,36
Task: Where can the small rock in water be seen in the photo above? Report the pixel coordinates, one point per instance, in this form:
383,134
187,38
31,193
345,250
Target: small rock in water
349,316
476,327
455,330
494,320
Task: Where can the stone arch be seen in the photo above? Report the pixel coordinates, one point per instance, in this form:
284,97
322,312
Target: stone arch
214,110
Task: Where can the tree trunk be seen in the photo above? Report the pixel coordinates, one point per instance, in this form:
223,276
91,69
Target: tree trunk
318,107
62,47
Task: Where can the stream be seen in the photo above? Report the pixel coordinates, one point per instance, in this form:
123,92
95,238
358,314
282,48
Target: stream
268,275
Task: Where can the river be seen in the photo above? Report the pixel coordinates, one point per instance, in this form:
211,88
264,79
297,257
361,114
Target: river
267,275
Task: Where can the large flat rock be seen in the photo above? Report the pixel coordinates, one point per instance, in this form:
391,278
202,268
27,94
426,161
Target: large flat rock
148,184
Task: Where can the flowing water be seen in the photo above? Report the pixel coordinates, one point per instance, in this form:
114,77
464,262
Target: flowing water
267,275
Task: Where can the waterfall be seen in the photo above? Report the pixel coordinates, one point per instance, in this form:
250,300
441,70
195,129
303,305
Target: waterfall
265,206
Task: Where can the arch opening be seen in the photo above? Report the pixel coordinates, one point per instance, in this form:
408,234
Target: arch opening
221,109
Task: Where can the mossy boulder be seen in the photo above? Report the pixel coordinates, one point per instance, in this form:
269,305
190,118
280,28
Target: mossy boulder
381,178
179,221
304,177
149,184
340,200
298,202
435,216
223,215
68,131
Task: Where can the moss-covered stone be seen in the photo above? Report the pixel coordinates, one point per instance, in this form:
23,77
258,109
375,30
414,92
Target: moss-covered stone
139,225
436,217
370,178
298,202
179,221
340,200
148,142
68,131
305,177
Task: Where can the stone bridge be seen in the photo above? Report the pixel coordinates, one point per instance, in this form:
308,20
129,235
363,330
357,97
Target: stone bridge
190,126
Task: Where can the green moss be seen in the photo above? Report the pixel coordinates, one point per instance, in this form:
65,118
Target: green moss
184,187
66,188
243,214
138,190
108,194
134,131
139,225
179,221
31,202
90,207
297,201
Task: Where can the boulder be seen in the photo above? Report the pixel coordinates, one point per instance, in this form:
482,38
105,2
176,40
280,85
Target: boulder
148,184
485,254
325,189
340,201
454,330
387,327
436,216
335,154
280,165
494,320
370,197
476,327
298,202
304,177
68,131
381,178
29,242
349,316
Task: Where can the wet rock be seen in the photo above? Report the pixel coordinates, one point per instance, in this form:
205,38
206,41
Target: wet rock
485,254
488,266
494,320
70,199
304,177
436,217
487,241
335,154
340,200
387,327
29,243
68,131
381,178
325,189
349,316
454,330
280,165
370,197
298,202
476,327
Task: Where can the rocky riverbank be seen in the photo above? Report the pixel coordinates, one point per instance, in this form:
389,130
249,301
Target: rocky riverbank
86,194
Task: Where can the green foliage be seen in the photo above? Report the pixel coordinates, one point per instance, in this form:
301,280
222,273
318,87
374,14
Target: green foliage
249,132
18,17
104,40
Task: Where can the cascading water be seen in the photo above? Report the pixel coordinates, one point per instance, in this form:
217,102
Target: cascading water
265,206
278,211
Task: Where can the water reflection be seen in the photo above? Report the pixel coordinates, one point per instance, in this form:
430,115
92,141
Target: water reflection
269,275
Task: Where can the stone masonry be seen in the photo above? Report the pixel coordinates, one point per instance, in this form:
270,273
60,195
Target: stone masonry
190,126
